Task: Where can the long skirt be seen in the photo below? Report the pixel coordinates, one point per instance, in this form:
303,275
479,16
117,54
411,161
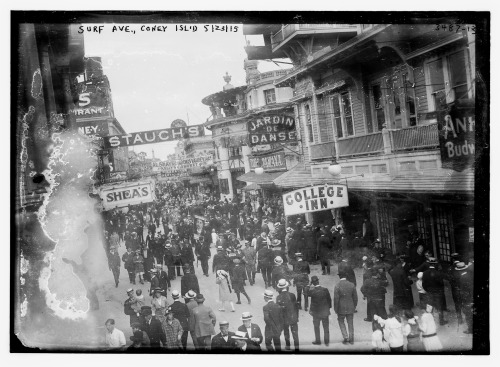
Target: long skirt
432,344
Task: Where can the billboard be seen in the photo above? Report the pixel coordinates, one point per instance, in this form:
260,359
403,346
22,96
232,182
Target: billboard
315,198
268,129
130,193
154,136
92,103
270,161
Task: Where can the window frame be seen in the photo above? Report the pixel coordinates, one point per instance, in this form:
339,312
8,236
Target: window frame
450,93
267,94
338,95
309,123
380,83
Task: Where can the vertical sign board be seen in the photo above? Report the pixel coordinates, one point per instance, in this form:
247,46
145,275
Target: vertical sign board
268,129
315,198
457,126
131,193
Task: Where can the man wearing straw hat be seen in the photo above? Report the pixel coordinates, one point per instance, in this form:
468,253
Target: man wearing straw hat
181,313
288,304
191,304
241,342
223,340
273,317
252,332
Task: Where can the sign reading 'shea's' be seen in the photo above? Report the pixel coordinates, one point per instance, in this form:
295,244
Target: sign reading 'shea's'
315,198
131,193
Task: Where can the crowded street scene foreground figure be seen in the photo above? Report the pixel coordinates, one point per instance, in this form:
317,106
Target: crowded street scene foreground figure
292,277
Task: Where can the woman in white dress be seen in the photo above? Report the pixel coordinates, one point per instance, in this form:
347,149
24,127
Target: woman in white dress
222,280
394,330
428,327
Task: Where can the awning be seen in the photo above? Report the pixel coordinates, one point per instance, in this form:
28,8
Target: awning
199,179
251,187
265,178
297,177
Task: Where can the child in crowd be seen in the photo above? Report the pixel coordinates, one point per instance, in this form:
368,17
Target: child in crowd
380,345
412,333
140,298
394,330
428,327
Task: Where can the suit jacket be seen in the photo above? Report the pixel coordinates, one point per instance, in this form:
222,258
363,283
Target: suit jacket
191,305
432,280
321,302
189,282
181,313
324,244
288,303
256,333
218,342
154,331
273,317
348,272
204,320
345,298
401,283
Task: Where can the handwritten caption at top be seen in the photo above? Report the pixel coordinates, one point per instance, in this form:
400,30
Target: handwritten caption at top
116,28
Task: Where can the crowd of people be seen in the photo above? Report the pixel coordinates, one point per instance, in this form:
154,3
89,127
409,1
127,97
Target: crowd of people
254,239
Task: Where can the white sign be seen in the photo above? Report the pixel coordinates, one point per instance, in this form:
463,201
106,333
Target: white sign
131,193
315,198
471,234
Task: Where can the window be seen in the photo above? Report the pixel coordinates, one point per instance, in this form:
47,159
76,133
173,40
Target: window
378,107
342,115
224,186
309,124
395,102
250,102
409,96
270,96
235,152
448,79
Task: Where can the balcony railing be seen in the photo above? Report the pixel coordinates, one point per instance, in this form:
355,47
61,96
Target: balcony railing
289,29
359,145
323,150
271,75
417,137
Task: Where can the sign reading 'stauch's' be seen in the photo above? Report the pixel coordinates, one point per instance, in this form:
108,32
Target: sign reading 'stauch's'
271,129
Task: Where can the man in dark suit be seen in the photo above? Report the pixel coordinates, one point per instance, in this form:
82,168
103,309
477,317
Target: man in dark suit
321,302
181,313
345,299
288,304
189,282
301,271
223,340
432,282
252,332
374,290
153,328
402,295
324,244
273,317
265,259
164,281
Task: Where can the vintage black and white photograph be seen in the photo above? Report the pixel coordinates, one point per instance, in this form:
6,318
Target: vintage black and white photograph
250,182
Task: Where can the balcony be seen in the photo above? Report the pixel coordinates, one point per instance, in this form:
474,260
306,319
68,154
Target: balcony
270,76
412,138
361,145
289,31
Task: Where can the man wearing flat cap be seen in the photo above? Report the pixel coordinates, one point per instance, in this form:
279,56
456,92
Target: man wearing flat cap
223,340
252,332
189,281
173,330
288,304
204,322
273,317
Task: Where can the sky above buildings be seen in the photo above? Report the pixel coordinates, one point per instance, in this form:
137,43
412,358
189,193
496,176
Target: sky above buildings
159,76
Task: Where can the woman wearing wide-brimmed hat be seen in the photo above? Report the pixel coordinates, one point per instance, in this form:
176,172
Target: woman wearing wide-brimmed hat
159,304
225,291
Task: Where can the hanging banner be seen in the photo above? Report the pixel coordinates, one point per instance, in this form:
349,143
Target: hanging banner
457,127
269,129
185,163
270,161
130,193
315,198
154,136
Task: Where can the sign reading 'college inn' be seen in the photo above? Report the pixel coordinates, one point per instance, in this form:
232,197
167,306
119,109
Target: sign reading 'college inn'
268,129
315,198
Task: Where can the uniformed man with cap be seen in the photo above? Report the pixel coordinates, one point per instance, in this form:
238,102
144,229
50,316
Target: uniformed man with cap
301,271
223,340
252,332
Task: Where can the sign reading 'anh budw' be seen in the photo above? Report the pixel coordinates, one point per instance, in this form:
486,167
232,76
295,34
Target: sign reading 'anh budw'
271,129
269,161
154,136
457,127
315,198
131,193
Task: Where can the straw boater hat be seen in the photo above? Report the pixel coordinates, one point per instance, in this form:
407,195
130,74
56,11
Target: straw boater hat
157,289
246,316
278,260
268,293
175,294
220,248
130,290
277,224
432,260
282,283
190,295
276,242
222,273
239,335
298,254
460,265
168,310
289,229
236,261
223,323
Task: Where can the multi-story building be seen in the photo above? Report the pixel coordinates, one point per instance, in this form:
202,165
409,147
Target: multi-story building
202,178
249,124
374,97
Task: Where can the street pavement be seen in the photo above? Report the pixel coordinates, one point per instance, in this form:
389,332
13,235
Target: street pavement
111,301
